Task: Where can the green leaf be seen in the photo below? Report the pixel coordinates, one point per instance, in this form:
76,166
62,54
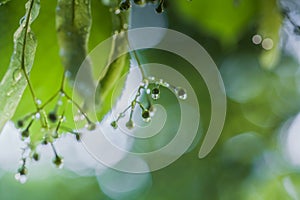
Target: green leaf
2,2
108,84
107,91
73,24
14,82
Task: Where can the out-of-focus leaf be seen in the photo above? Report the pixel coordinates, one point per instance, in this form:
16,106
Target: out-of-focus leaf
225,20
270,25
73,23
2,2
14,82
112,73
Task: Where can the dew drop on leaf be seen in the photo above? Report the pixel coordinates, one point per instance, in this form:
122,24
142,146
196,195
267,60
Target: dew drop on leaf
17,75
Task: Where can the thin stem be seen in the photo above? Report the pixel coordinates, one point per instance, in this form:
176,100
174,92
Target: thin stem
138,62
23,54
54,150
79,108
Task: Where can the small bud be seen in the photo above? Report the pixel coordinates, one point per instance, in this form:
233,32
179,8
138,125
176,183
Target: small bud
58,161
25,133
114,124
78,136
36,156
20,123
52,117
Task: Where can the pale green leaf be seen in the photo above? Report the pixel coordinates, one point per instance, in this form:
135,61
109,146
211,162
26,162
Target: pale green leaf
14,82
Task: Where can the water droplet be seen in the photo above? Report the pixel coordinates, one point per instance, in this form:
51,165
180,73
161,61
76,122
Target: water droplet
165,84
9,93
79,117
17,74
117,11
155,93
86,2
151,78
68,74
59,103
22,20
37,115
146,116
91,126
155,96
130,124
125,26
21,178
38,101
181,93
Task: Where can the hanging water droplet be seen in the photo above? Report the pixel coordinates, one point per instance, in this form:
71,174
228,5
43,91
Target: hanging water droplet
21,178
146,116
91,126
86,2
181,93
155,93
152,110
130,124
17,74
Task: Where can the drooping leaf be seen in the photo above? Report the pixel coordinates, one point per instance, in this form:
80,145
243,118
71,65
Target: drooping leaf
117,65
73,24
14,82
2,2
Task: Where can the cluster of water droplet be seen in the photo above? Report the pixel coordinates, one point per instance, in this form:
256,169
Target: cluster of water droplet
150,88
126,4
51,128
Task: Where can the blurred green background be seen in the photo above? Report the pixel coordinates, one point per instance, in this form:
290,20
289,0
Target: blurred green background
257,156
